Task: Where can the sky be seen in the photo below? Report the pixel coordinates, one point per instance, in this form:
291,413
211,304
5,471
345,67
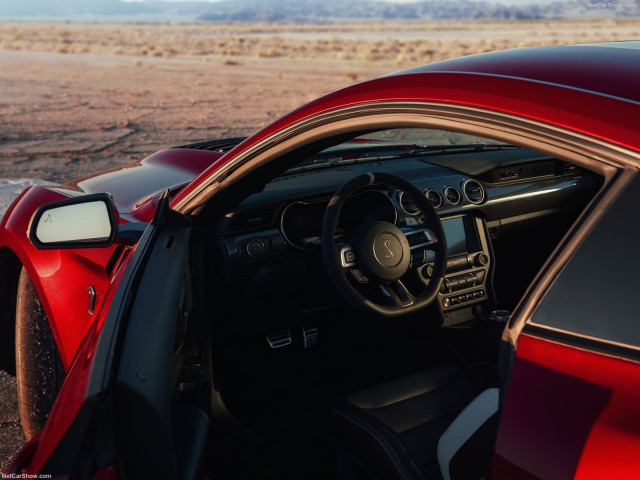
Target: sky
211,1
505,2
392,1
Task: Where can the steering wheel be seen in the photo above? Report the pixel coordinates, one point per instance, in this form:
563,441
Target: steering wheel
368,263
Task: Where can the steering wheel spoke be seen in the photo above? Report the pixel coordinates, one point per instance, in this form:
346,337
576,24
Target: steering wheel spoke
347,256
349,263
419,238
397,293
359,275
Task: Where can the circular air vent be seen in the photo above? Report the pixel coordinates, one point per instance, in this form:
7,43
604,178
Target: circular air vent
473,191
434,197
452,195
407,204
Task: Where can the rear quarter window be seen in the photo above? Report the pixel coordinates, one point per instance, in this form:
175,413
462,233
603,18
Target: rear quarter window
598,293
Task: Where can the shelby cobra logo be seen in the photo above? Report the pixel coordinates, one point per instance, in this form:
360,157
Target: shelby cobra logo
387,250
390,254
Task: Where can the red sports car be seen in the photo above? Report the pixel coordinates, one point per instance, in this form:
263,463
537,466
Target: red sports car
431,274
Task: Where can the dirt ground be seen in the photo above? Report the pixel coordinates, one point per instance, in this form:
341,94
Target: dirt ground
11,436
64,116
77,99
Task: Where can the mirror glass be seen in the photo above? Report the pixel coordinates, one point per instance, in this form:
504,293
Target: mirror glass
79,222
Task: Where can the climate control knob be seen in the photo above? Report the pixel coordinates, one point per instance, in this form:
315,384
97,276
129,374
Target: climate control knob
481,259
256,248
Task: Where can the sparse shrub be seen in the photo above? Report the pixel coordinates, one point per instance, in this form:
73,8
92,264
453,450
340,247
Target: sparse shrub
353,76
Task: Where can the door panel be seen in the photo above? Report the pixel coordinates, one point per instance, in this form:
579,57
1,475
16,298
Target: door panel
569,413
571,406
144,394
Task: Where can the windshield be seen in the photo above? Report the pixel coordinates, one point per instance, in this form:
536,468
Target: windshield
397,143
425,136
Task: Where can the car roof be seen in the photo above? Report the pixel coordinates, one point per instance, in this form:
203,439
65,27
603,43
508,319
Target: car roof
611,69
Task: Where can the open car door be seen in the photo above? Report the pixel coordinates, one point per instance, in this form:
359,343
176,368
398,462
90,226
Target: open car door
571,407
134,401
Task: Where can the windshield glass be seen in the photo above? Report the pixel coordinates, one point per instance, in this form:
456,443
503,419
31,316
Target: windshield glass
425,137
396,143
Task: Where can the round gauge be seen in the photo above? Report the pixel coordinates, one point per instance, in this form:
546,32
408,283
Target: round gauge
452,195
407,204
473,191
434,197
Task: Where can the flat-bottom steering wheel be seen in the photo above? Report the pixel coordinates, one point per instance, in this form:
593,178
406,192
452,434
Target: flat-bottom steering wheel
375,256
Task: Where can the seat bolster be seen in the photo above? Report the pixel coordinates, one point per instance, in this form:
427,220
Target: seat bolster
403,388
373,443
480,412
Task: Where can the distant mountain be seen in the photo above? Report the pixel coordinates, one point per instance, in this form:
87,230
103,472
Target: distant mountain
318,11
331,10
98,8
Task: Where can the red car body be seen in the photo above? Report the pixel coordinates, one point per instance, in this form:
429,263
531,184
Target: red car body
571,408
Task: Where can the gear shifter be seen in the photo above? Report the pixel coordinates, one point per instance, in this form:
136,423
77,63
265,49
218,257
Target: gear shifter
500,316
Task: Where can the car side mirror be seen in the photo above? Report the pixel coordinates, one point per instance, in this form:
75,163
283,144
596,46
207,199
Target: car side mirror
81,222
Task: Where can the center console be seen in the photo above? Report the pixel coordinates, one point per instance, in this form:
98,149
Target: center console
466,290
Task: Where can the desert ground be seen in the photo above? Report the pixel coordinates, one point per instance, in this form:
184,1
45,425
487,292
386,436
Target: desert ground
77,98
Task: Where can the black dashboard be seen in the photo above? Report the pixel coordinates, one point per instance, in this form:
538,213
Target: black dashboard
480,197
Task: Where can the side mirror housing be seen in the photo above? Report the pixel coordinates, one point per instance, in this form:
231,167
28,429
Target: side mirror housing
81,222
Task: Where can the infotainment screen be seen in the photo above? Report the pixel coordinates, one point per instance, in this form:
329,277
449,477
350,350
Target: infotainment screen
456,236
